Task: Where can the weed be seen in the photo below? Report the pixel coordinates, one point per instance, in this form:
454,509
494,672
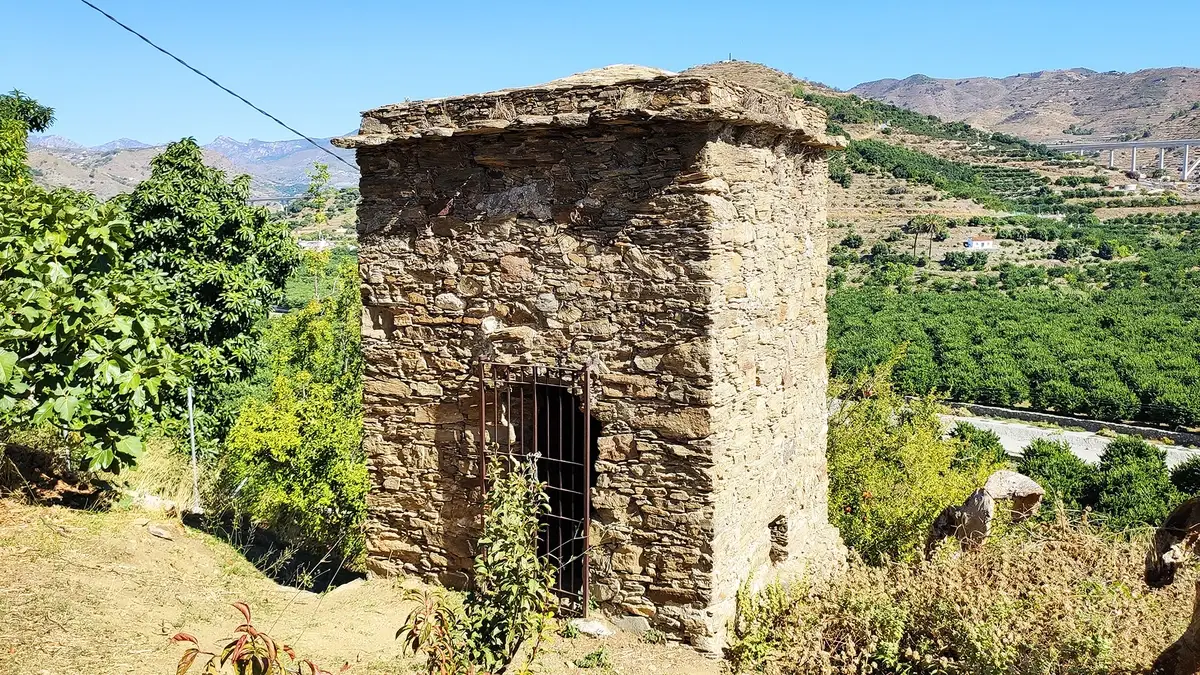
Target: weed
654,637
596,659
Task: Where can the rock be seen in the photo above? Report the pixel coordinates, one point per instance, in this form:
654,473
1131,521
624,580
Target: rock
346,587
592,628
1025,494
1183,656
970,523
160,532
638,625
546,302
518,268
449,302
141,522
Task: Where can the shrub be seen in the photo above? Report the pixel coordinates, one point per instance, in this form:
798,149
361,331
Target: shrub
977,447
1065,477
852,241
293,457
298,459
511,600
1186,476
839,171
249,652
1054,599
890,470
1133,486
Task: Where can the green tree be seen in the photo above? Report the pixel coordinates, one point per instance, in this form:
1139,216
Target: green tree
84,335
1186,477
318,191
296,452
890,469
226,261
977,446
1133,485
17,106
1065,477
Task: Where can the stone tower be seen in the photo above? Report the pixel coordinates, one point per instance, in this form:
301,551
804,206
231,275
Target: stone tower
667,234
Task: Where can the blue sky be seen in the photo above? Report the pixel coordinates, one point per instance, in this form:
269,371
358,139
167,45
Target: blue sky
318,64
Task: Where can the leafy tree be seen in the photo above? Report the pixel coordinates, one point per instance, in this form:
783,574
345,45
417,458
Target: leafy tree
1065,477
17,106
1068,250
890,470
226,261
13,167
296,452
318,191
84,335
1133,485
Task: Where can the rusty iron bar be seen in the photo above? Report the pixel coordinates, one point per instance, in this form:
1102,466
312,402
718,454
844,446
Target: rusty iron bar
566,469
587,486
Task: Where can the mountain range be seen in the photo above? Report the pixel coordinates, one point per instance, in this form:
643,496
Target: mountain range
1046,106
276,168
1049,105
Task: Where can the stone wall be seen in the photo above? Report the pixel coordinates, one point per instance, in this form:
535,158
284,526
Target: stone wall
769,376
666,231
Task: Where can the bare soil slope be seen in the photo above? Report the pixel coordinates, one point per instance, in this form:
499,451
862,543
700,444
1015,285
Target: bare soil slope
96,593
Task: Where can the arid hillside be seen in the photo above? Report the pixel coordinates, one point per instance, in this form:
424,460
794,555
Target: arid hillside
276,168
1057,104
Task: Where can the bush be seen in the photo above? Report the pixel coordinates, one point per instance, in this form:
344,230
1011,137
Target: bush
1065,477
1056,599
511,599
890,470
296,449
977,447
1133,486
1186,477
852,241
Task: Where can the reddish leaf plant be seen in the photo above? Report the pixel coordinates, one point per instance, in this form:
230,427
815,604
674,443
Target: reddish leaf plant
249,652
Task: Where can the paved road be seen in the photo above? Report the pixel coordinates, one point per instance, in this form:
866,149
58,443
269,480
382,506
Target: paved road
1088,446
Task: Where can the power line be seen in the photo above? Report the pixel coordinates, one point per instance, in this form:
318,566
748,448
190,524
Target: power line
220,86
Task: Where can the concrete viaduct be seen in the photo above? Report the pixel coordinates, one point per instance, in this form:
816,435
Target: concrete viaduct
1189,167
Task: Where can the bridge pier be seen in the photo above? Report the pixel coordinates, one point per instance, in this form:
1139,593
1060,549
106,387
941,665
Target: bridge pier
1133,160
1111,156
1162,158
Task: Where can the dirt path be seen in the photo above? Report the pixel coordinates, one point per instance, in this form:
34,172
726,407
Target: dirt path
97,594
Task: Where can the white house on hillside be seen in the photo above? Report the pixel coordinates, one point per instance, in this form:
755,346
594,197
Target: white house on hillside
979,243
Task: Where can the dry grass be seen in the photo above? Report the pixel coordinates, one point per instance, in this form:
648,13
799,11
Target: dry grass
1051,599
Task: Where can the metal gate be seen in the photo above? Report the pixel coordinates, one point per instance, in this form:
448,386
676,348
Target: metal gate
532,413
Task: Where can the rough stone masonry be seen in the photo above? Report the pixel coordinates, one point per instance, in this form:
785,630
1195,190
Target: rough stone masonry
666,231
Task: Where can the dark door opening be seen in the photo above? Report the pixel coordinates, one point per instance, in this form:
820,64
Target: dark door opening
531,413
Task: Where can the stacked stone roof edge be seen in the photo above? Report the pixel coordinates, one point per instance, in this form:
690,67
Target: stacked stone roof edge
630,95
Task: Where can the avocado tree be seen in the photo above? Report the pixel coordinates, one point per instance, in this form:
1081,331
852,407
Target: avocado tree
225,261
15,105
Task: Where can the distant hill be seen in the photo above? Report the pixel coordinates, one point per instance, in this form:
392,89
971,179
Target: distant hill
276,168
1043,106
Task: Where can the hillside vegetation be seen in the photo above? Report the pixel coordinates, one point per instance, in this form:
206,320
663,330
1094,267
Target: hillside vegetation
1083,303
